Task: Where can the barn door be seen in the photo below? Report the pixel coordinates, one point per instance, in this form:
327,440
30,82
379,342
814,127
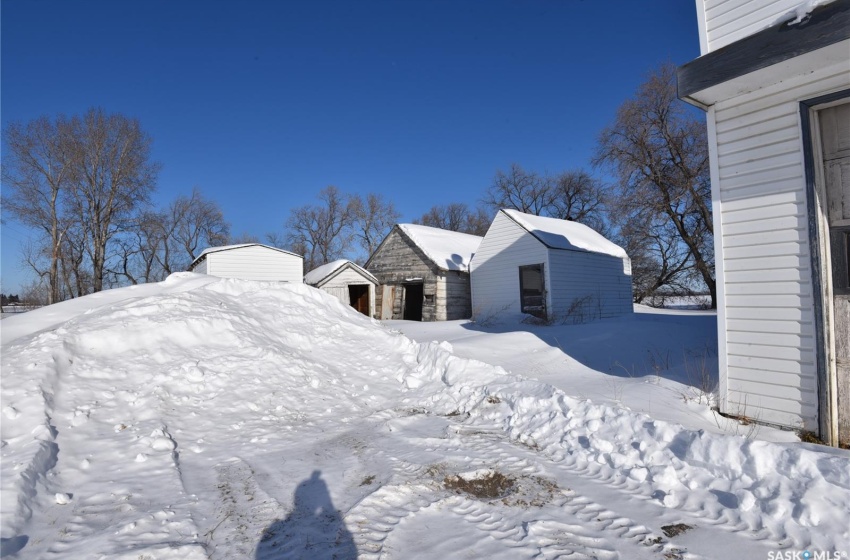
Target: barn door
835,144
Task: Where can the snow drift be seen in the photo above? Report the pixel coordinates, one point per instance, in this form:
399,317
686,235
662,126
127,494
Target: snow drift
175,420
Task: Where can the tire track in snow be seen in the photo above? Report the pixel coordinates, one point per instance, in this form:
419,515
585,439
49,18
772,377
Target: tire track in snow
571,522
242,512
519,523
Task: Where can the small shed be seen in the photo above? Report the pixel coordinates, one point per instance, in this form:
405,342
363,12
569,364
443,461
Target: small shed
775,84
250,261
349,283
423,273
552,269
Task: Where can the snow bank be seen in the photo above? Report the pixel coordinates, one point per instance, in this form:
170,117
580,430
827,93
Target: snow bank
125,423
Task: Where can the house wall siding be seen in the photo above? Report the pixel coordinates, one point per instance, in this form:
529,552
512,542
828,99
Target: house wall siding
495,267
588,286
727,21
762,216
256,263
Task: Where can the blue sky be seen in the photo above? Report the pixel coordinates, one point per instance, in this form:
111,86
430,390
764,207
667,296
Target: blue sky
261,104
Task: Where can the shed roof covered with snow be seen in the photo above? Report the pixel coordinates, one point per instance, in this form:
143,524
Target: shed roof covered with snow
449,250
322,274
565,234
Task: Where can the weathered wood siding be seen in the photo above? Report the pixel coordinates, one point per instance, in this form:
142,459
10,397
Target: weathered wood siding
457,294
495,268
766,322
586,286
337,286
726,21
256,263
398,261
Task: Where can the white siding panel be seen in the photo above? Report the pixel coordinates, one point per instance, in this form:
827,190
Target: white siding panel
201,267
745,327
727,21
790,235
256,263
763,225
495,267
588,285
763,288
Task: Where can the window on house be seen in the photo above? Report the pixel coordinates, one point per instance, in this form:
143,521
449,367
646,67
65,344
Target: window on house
532,290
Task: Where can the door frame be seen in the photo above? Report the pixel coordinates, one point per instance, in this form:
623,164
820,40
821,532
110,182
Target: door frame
819,244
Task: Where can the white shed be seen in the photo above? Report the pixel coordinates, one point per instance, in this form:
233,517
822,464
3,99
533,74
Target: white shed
774,79
349,283
250,261
549,268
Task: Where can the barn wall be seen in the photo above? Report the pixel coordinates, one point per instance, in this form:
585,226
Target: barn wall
727,21
586,286
256,263
495,267
765,280
396,261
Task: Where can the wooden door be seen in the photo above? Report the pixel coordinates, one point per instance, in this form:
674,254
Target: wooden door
358,295
835,143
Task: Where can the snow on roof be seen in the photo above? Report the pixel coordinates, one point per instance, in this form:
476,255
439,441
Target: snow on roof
210,250
318,274
450,250
564,234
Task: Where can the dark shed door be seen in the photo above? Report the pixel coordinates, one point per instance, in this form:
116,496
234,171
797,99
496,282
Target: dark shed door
532,290
413,296
358,295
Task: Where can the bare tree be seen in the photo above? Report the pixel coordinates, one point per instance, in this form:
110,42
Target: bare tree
572,195
519,190
658,150
321,233
37,168
373,218
195,224
162,242
578,197
113,178
457,216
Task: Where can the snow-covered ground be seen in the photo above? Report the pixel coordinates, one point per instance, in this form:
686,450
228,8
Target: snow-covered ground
215,418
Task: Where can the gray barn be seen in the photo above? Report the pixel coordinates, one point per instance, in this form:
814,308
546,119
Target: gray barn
423,273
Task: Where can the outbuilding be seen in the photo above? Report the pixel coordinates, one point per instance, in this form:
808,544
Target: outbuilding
250,261
774,79
348,282
423,273
552,269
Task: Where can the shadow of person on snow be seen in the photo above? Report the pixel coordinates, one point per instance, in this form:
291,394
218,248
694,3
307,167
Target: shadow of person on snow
314,529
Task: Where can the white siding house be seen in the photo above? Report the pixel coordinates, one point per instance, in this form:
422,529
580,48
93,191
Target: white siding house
349,283
777,97
250,261
553,269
